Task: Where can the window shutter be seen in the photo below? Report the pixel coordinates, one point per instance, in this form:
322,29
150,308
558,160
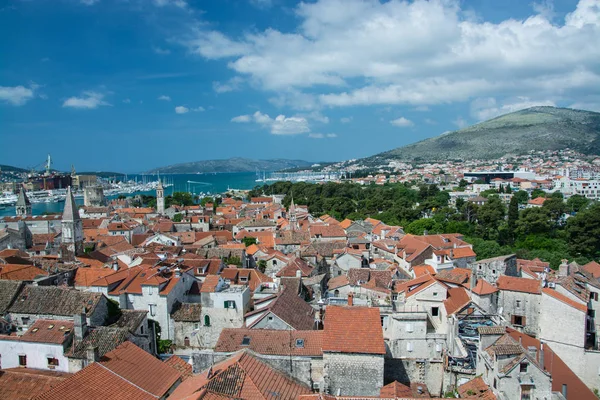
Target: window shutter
524,322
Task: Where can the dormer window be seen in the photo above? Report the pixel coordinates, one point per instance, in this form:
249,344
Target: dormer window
300,343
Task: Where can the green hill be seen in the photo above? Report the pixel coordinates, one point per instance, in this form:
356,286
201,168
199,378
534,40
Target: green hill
230,165
535,128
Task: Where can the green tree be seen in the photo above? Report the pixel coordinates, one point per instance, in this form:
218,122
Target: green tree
177,217
248,241
522,196
420,226
555,207
463,183
577,202
262,265
537,193
513,216
460,202
490,215
533,221
583,232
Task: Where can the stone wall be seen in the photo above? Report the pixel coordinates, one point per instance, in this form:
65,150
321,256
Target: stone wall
353,374
409,370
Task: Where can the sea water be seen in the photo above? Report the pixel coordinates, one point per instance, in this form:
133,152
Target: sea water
197,184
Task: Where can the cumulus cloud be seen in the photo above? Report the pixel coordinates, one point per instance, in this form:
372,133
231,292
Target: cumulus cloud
486,108
17,95
346,120
88,100
89,2
185,110
280,125
126,101
356,52
228,86
164,98
460,122
402,122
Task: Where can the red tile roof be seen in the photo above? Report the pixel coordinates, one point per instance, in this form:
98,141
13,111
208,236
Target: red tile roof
476,389
20,272
342,337
271,342
483,288
48,331
241,376
456,300
524,285
25,383
593,268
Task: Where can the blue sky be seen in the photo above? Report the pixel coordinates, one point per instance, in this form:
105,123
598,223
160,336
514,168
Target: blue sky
128,85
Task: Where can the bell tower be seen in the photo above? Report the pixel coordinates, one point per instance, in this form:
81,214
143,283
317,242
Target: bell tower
72,230
160,197
23,206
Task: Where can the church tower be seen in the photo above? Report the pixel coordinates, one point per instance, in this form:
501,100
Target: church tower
292,217
160,198
23,206
72,230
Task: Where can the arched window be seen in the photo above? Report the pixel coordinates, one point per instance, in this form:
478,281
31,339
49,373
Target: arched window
206,320
336,293
186,341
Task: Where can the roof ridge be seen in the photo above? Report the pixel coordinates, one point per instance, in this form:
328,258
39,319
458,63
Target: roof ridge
127,380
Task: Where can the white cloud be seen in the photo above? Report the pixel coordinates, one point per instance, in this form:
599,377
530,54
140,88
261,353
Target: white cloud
176,3
17,95
430,121
487,108
589,106
89,2
126,101
460,122
89,100
346,120
164,98
228,86
161,51
185,110
402,122
357,52
422,108
321,135
281,125
242,118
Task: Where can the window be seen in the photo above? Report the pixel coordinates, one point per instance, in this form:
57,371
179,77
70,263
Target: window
152,309
438,347
410,328
336,293
525,392
186,341
409,346
494,272
270,318
518,303
564,390
523,368
52,362
25,320
435,294
300,343
229,304
435,311
518,320
382,319
479,266
22,361
274,262
245,341
591,313
196,326
206,320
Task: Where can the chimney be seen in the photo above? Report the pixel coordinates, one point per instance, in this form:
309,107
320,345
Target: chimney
80,325
178,272
541,357
115,265
473,282
298,274
350,299
92,354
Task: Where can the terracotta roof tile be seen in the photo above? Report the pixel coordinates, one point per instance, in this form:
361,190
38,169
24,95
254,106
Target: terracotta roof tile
48,331
271,342
561,297
514,284
342,337
25,383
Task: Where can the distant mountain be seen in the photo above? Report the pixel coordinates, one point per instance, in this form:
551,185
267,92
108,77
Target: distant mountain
230,165
10,168
535,128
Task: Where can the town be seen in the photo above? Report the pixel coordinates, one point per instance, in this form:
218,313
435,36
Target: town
249,298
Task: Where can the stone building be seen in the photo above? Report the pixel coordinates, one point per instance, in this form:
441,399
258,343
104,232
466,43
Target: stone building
353,354
186,324
492,268
72,230
93,196
23,206
160,198
519,302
